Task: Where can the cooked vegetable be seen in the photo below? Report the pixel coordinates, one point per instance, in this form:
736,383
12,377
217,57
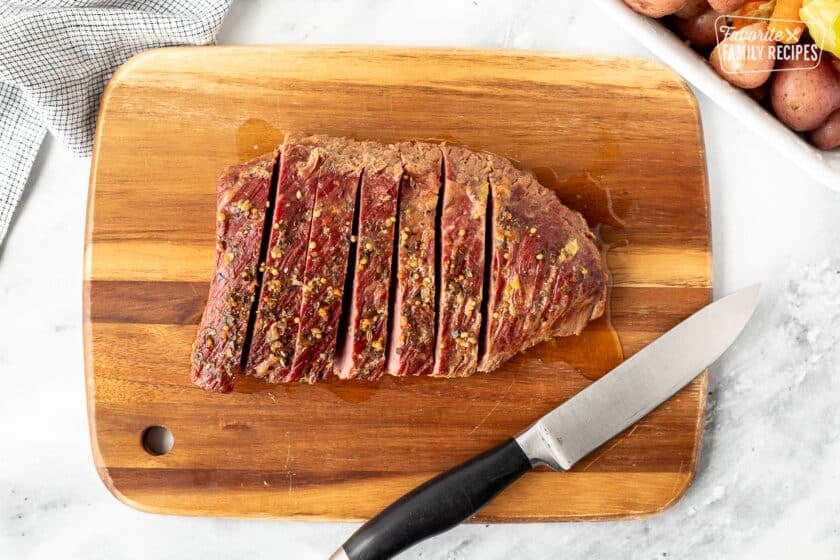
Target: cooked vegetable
823,20
726,6
827,136
804,95
692,9
745,58
785,21
756,9
748,13
699,31
655,8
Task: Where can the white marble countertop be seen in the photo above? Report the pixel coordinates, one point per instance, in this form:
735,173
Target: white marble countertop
768,485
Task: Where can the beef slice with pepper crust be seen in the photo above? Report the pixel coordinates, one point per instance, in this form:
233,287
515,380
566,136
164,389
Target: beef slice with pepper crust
412,341
327,255
364,348
277,318
547,277
461,274
242,197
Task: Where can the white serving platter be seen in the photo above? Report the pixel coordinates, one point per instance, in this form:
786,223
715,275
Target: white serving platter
824,166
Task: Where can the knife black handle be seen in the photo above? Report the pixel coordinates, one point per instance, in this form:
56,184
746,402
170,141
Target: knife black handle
438,505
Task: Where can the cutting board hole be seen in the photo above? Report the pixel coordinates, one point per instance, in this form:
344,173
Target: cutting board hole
157,440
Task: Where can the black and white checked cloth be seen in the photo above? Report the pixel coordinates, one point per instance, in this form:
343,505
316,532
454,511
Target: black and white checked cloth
57,56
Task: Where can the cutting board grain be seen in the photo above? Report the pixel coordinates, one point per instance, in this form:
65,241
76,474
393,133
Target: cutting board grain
619,139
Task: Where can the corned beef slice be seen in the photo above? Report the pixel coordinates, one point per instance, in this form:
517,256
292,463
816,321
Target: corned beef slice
277,317
327,258
242,196
367,325
462,231
546,276
412,345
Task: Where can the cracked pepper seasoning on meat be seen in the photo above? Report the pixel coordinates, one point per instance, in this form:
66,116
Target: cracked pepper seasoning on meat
242,197
278,314
540,280
413,325
363,349
462,231
326,259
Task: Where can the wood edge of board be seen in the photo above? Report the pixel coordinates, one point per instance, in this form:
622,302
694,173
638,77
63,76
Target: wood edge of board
154,56
684,478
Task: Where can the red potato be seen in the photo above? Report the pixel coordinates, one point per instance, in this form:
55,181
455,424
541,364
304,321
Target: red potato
803,97
827,136
655,8
746,58
699,31
726,6
692,9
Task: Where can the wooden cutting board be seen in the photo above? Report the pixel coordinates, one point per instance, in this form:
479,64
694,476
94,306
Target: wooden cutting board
619,139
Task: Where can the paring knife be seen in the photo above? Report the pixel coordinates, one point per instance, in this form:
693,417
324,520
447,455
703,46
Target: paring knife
563,436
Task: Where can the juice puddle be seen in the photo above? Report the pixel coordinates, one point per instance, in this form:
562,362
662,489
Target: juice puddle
593,353
583,193
256,137
249,385
597,350
351,391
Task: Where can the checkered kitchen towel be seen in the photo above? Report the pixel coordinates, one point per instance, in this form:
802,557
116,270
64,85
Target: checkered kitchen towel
57,56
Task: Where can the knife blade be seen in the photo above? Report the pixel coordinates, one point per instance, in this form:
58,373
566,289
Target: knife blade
563,436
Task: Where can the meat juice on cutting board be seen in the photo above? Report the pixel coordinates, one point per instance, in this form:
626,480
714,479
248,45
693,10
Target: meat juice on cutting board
597,350
513,267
